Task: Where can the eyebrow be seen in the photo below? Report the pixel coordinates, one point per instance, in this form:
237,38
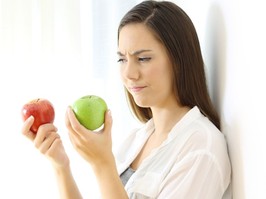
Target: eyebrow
135,52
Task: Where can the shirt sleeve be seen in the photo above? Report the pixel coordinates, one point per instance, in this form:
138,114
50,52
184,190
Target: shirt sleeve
196,176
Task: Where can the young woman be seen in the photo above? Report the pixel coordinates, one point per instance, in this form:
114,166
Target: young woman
179,152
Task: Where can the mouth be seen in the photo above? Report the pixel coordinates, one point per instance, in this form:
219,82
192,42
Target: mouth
136,89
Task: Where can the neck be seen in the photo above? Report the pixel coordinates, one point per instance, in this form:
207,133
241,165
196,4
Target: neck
166,118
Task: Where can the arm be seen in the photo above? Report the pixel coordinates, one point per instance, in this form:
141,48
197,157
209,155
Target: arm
96,148
109,182
67,187
48,142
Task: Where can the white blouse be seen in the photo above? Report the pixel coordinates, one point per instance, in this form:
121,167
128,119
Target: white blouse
192,163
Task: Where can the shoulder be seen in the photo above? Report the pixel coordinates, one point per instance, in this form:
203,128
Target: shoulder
204,142
201,132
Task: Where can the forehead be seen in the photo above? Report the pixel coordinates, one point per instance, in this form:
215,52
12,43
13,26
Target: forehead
137,36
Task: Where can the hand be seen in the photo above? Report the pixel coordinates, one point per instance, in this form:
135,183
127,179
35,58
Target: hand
94,147
47,141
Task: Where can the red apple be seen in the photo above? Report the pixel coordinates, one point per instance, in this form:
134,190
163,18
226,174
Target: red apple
41,109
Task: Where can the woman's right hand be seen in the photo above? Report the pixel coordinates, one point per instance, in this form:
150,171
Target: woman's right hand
47,141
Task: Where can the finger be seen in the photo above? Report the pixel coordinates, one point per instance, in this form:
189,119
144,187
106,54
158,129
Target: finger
73,124
74,139
67,121
108,122
57,141
26,128
69,118
73,135
48,142
43,133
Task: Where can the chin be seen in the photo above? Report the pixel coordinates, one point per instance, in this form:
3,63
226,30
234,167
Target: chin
142,103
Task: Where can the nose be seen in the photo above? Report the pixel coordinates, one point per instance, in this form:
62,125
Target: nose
130,70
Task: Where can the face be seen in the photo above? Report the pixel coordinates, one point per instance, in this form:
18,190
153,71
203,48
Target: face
145,68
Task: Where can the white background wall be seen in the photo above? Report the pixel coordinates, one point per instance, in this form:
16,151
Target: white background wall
232,34
242,94
45,51
59,50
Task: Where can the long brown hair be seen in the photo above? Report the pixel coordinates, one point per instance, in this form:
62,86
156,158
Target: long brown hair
173,27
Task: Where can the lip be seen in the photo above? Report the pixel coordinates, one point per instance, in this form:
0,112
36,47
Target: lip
136,89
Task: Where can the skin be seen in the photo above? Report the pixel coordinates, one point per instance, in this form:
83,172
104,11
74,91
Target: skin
146,72
48,142
89,145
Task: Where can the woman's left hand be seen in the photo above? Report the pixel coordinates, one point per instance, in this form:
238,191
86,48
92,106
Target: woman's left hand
94,147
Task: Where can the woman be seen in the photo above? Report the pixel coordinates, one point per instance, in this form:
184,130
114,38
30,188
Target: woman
179,152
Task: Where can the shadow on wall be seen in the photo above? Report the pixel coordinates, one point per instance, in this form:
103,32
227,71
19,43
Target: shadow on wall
216,54
216,63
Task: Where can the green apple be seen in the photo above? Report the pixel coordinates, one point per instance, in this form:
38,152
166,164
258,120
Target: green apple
90,111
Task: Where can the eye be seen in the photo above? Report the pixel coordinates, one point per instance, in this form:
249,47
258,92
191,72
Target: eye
144,59
121,60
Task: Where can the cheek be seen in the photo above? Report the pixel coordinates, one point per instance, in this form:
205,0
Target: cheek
159,73
162,77
151,73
